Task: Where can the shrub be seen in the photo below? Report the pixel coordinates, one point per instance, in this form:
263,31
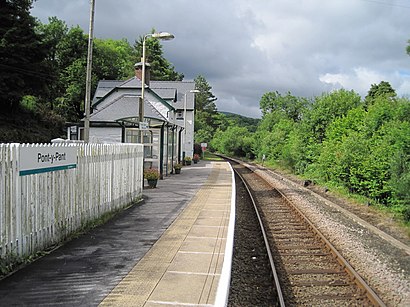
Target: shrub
151,174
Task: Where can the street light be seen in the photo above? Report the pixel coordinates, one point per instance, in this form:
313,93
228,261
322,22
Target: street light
185,101
88,74
161,36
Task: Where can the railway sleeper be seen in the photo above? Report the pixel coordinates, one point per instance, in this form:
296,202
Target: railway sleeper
333,299
311,283
283,247
314,271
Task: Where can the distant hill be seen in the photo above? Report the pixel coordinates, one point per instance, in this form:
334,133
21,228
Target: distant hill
243,121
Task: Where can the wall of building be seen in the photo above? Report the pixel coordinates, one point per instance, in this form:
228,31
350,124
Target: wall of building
105,134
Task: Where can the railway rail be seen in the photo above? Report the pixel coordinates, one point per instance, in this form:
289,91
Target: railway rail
306,268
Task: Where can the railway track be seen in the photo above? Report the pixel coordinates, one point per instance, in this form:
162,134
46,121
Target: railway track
307,270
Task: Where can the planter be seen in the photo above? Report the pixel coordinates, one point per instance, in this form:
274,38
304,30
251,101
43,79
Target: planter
152,183
187,162
195,161
177,171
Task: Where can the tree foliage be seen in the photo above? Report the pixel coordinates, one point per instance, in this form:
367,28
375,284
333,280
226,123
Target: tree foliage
289,106
383,89
204,100
22,55
341,140
207,120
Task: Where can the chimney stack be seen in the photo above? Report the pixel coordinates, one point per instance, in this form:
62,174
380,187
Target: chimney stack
138,72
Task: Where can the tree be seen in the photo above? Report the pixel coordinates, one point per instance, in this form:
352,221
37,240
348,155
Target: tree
71,57
327,108
53,34
206,116
288,105
383,89
408,47
112,59
161,68
22,54
233,141
204,100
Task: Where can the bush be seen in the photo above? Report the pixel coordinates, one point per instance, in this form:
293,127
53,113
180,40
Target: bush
151,174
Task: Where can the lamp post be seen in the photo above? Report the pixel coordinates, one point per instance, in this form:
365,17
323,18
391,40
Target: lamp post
88,75
161,36
185,101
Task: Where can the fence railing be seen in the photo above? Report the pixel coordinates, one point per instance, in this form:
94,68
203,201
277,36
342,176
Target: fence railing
41,205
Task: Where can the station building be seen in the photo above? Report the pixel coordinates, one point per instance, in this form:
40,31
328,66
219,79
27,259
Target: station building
168,132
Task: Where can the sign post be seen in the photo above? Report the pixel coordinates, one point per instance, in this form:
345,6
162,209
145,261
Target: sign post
204,146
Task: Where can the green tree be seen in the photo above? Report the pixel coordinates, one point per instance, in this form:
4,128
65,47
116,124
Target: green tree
234,141
22,54
113,59
53,34
207,119
71,64
161,68
204,100
327,108
288,105
383,89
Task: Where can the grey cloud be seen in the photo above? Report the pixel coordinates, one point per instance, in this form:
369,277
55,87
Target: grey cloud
246,48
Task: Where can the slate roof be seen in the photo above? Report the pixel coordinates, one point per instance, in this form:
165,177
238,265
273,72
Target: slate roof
126,106
181,87
170,93
104,87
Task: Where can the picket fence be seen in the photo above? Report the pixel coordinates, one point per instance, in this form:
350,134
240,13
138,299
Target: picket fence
40,210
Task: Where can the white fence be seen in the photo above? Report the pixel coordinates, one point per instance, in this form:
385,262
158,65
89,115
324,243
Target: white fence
39,208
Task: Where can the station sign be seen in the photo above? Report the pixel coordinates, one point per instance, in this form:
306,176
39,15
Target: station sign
143,125
42,159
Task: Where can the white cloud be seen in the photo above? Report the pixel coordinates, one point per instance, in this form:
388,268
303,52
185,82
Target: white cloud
360,79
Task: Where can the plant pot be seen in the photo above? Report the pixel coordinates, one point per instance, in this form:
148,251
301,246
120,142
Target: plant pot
177,171
187,162
195,161
152,183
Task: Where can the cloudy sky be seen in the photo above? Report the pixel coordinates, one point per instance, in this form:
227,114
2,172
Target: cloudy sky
247,48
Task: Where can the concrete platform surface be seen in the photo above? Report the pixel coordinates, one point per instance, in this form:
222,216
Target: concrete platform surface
165,250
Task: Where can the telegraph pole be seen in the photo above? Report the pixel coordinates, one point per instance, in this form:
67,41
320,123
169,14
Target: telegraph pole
88,76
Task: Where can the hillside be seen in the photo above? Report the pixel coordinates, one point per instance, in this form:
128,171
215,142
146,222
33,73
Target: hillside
243,121
30,127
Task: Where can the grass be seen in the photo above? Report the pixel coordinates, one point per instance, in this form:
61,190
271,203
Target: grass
208,156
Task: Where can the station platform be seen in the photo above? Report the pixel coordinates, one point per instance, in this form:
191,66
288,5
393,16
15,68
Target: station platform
170,249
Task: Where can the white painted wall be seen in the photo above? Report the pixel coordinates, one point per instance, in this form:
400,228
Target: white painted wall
106,135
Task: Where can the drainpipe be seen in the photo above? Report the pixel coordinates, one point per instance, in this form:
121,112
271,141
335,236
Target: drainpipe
179,145
161,152
172,149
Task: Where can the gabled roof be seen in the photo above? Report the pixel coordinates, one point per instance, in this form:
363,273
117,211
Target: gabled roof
104,87
125,106
127,84
181,87
166,93
162,97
